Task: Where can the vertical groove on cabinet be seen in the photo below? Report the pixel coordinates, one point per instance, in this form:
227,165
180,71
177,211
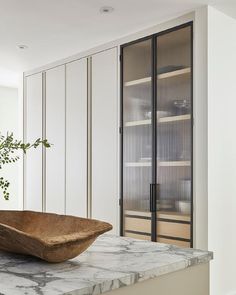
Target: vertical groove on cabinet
44,137
89,138
65,146
24,138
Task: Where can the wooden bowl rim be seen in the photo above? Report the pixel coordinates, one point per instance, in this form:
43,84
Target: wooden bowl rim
73,237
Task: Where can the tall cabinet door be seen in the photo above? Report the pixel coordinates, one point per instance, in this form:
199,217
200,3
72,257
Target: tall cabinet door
174,136
137,160
33,130
105,137
76,138
55,133
156,183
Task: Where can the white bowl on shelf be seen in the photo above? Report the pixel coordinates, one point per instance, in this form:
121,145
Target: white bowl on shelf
183,206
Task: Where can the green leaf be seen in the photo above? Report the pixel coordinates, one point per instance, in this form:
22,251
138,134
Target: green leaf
8,146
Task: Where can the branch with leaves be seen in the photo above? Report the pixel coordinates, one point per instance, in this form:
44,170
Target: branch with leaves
8,148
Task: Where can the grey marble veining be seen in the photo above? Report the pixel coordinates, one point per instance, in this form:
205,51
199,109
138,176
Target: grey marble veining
111,262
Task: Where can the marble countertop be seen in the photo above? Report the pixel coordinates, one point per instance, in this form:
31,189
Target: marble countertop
111,262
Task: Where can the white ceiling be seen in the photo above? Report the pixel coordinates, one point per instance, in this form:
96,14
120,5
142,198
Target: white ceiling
55,29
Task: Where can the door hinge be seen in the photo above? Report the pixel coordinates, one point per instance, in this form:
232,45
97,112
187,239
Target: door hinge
120,130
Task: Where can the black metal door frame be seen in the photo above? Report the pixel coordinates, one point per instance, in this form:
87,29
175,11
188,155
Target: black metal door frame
154,55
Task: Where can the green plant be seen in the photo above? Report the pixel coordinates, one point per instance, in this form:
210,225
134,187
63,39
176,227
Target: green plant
8,148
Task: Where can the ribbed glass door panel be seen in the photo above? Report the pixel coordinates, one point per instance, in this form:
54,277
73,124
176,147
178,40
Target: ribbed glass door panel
137,139
174,137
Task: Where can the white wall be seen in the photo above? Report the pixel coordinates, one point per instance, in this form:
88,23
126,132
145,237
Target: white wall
222,151
200,129
9,121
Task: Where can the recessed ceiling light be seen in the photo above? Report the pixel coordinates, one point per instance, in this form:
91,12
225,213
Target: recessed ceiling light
106,9
22,47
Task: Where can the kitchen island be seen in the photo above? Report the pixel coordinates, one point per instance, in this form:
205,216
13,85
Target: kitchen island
112,265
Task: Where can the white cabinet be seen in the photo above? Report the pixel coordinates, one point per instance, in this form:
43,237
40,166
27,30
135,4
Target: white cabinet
76,138
105,137
33,130
55,133
74,106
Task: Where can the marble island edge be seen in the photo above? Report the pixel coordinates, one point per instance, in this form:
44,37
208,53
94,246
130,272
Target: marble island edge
110,263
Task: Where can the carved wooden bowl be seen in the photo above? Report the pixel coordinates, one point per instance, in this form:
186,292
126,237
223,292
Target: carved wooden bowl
51,237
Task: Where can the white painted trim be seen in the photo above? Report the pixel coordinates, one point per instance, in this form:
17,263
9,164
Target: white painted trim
200,105
44,137
24,136
89,137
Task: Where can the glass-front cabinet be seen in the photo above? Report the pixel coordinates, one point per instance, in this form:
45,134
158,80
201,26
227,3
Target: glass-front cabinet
156,137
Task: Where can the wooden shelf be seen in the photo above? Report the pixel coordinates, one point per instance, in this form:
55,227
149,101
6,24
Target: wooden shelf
174,73
138,213
171,215
160,120
138,164
174,118
174,164
169,224
138,123
160,164
138,82
147,80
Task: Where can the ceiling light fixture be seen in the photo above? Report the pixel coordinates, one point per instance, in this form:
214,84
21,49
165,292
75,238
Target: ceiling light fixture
22,47
106,9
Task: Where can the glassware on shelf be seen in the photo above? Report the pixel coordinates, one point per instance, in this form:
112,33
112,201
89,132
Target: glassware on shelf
183,207
148,115
181,106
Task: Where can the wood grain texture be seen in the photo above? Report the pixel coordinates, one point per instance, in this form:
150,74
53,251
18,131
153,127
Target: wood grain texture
173,229
51,237
138,224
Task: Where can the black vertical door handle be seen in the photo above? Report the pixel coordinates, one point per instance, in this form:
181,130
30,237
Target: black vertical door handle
152,197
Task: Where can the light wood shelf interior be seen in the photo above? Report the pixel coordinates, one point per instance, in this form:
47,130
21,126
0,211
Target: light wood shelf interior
174,73
138,213
170,226
147,80
160,120
160,164
138,123
138,81
138,164
174,164
173,229
174,118
173,215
